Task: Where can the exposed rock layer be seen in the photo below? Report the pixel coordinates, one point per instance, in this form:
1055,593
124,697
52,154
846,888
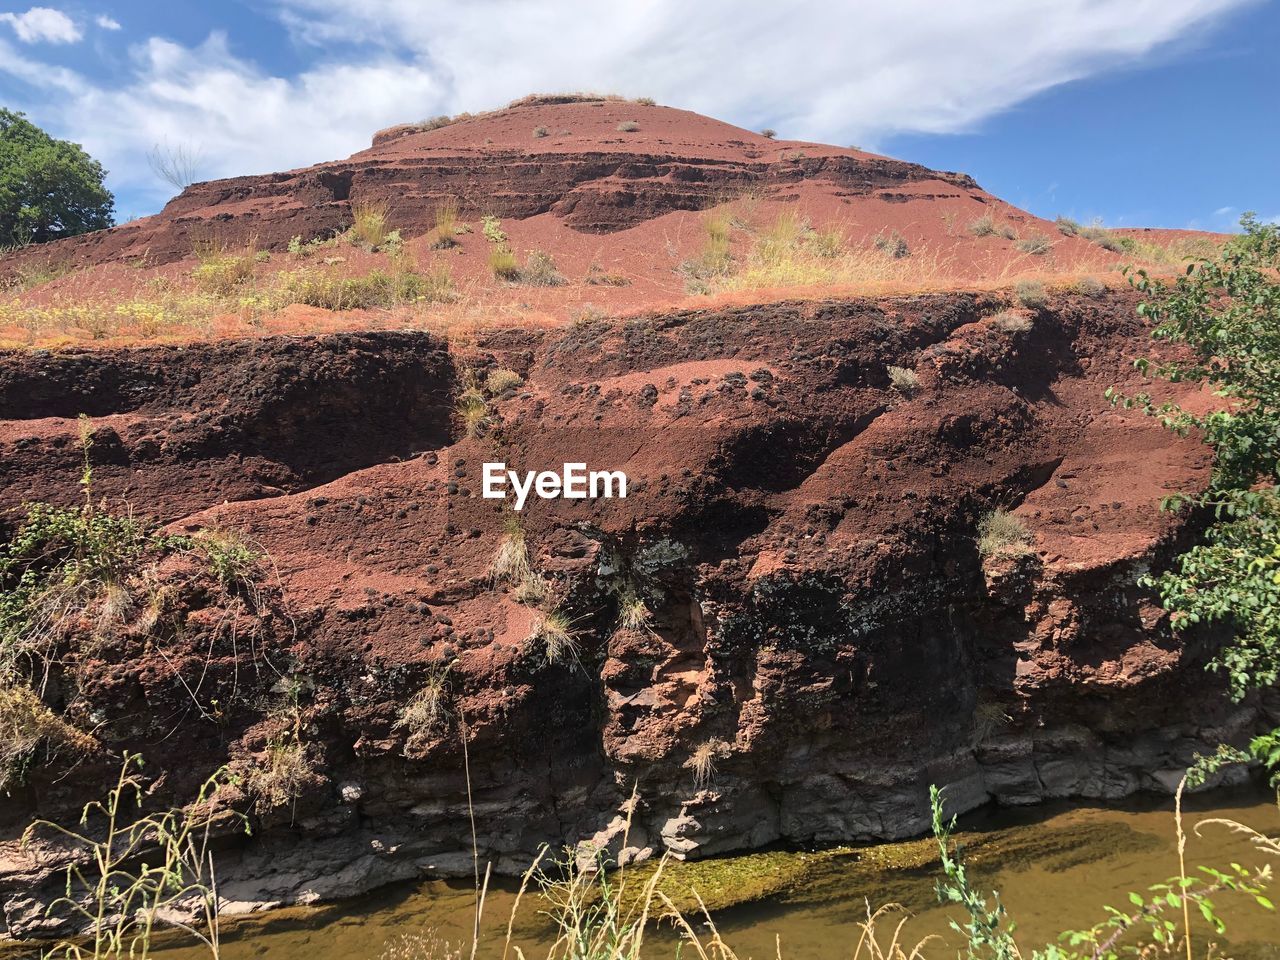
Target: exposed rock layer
821,627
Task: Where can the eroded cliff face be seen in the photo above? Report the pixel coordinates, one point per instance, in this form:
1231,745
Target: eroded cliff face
820,638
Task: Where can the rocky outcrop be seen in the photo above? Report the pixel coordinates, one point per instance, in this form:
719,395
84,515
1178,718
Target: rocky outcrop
820,639
585,173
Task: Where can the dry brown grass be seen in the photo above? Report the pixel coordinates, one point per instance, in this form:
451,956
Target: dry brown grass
1000,532
277,780
25,723
427,710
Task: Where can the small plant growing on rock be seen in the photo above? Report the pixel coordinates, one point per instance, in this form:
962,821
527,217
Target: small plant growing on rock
703,761
25,723
1011,321
554,637
645,101
1031,294
540,132
903,380
1037,244
1000,532
1067,227
628,126
472,412
500,380
633,613
278,779
428,708
511,559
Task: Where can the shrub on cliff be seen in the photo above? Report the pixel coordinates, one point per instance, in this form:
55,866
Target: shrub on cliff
1225,314
48,188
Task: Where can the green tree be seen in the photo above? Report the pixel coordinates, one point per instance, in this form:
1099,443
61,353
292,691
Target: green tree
48,188
1224,313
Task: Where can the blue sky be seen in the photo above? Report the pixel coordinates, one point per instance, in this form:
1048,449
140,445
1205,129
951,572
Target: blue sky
1135,112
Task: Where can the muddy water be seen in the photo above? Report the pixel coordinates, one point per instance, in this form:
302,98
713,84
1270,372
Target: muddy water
1055,867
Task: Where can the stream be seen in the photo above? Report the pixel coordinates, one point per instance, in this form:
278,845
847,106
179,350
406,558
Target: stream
1056,866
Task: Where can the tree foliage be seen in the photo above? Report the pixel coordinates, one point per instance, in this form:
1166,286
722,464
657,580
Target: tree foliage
48,188
1224,313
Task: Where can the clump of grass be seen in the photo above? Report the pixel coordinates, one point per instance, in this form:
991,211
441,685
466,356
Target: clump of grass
500,380
279,778
903,379
1106,239
1067,226
628,126
232,561
1031,294
1090,287
1037,244
472,412
510,562
716,257
986,226
221,272
532,590
1011,321
633,612
645,101
893,244
25,723
427,709
504,264
703,761
369,226
447,227
554,637
597,276
1000,532
378,288
540,271
540,132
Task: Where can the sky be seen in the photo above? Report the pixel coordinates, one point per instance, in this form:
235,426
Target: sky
1131,112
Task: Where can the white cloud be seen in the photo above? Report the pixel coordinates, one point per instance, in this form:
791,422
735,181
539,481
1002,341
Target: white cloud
834,70
42,25
106,22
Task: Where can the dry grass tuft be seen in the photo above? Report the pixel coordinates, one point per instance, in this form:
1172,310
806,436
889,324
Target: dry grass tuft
25,722
504,264
628,126
554,637
368,224
1031,294
633,613
500,380
1000,532
903,380
427,709
703,761
1011,321
1037,244
511,560
986,226
278,780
